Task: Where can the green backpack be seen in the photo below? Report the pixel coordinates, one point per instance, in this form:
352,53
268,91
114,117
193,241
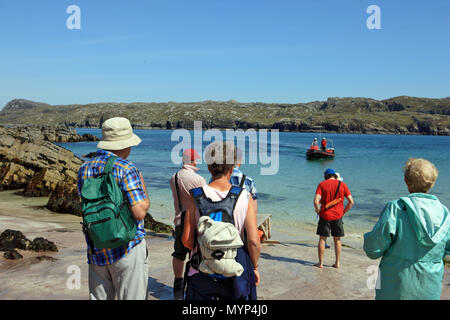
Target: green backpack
107,218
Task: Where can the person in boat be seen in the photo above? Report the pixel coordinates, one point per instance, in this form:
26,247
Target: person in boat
324,144
329,205
412,237
315,143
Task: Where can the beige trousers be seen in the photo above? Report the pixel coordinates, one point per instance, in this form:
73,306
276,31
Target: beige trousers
126,279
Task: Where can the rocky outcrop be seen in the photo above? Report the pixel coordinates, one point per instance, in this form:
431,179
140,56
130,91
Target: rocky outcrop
155,226
34,164
41,244
88,137
10,240
58,133
12,255
90,155
65,199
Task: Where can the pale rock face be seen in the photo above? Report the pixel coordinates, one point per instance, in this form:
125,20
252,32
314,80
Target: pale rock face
28,161
59,133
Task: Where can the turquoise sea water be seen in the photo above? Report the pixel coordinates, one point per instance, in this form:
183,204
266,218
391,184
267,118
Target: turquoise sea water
371,166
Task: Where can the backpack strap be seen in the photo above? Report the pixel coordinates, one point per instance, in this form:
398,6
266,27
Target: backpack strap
234,194
242,181
337,190
197,193
109,164
108,167
180,207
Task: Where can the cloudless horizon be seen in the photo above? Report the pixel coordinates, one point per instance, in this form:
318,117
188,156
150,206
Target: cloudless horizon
285,51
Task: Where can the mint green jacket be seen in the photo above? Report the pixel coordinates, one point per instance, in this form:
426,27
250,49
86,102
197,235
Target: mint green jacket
412,236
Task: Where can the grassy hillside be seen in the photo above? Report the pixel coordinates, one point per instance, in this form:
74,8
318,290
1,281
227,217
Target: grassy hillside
408,115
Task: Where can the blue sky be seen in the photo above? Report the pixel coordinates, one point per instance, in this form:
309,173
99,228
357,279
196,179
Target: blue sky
249,50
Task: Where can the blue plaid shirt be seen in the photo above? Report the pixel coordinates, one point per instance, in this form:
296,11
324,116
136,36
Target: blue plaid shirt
129,180
249,184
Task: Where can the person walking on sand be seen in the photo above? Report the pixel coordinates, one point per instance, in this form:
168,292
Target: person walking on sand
329,205
115,271
180,183
412,237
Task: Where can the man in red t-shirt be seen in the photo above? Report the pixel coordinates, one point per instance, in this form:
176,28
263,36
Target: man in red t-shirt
331,218
324,144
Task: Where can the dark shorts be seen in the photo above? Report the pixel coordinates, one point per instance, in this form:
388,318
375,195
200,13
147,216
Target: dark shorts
336,227
201,286
179,251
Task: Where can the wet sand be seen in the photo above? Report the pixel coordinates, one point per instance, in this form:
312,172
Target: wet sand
287,269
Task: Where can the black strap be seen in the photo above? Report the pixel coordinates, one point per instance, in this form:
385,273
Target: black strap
180,207
337,190
242,181
91,243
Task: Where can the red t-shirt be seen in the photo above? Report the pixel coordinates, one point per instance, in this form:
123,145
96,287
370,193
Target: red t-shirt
327,189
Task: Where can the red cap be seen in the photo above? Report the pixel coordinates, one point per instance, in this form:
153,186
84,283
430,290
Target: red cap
190,155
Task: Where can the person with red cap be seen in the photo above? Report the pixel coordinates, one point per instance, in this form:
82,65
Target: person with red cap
180,183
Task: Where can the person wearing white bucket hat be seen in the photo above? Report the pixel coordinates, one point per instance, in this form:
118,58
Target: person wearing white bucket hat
121,271
117,134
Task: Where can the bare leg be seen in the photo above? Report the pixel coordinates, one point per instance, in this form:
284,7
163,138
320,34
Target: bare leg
321,251
337,250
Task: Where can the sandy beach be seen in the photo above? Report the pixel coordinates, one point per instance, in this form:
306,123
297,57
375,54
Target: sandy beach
287,269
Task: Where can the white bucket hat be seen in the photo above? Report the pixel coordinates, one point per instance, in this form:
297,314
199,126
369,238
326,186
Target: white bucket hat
117,134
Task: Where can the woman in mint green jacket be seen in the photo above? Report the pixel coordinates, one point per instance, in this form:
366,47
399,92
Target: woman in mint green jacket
412,236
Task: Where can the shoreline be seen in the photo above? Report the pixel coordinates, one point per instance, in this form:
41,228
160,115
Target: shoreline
269,128
138,127
287,269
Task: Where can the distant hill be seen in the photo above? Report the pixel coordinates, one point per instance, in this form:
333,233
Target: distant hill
398,115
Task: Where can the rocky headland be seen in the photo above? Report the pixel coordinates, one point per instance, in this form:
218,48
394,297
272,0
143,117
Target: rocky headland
397,115
57,133
31,162
36,167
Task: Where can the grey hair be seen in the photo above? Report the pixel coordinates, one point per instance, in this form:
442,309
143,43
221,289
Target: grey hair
220,157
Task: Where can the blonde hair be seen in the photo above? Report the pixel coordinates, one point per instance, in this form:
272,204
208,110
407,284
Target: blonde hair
420,175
